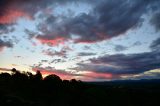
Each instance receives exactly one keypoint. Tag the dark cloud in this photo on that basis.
(155, 21)
(52, 31)
(155, 45)
(49, 53)
(119, 48)
(5, 44)
(86, 54)
(12, 10)
(41, 63)
(28, 6)
(44, 61)
(87, 47)
(31, 34)
(123, 64)
(19, 57)
(61, 53)
(4, 29)
(107, 19)
(137, 43)
(55, 61)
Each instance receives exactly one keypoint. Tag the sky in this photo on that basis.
(89, 40)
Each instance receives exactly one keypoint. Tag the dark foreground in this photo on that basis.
(26, 89)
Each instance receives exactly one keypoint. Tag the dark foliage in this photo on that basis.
(26, 89)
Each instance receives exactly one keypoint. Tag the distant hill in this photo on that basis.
(145, 81)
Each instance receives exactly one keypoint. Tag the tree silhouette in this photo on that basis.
(14, 71)
(18, 76)
(37, 76)
(53, 82)
(27, 89)
(5, 77)
(52, 79)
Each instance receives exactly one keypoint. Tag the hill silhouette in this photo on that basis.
(27, 89)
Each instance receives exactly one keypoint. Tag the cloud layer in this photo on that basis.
(106, 20)
(122, 64)
(5, 44)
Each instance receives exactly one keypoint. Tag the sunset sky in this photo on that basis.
(90, 40)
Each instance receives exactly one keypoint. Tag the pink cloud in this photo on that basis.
(98, 75)
(52, 42)
(12, 15)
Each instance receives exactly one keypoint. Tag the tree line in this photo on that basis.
(27, 89)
